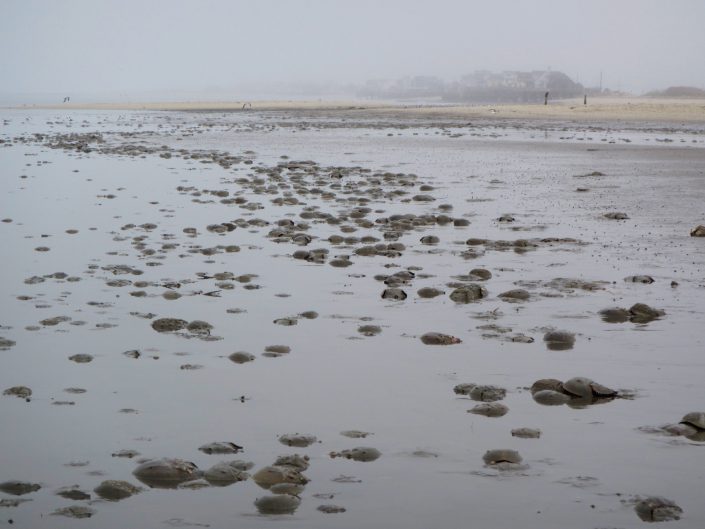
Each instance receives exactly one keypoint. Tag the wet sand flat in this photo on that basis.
(222, 286)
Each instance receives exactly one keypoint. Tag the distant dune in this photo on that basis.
(690, 92)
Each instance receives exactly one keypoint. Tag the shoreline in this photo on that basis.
(597, 109)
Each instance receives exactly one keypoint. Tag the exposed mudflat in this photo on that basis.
(283, 318)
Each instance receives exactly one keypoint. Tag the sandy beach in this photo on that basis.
(316, 317)
(598, 109)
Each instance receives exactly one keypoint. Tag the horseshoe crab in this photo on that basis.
(22, 392)
(490, 409)
(480, 274)
(468, 293)
(226, 473)
(587, 389)
(81, 358)
(657, 509)
(552, 384)
(73, 493)
(19, 488)
(166, 473)
(199, 327)
(75, 511)
(220, 447)
(692, 426)
(297, 439)
(293, 489)
(295, 461)
(615, 315)
(116, 490)
(642, 313)
(278, 504)
(396, 294)
(616, 215)
(331, 509)
(559, 340)
(169, 324)
(274, 351)
(361, 453)
(518, 294)
(369, 330)
(437, 338)
(271, 475)
(429, 292)
(526, 433)
(696, 419)
(463, 389)
(503, 459)
(549, 397)
(698, 231)
(646, 280)
(355, 434)
(487, 393)
(241, 357)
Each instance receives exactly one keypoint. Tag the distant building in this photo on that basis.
(481, 86)
(512, 87)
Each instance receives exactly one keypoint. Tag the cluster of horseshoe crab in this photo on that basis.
(284, 480)
(577, 392)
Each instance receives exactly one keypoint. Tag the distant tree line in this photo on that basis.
(479, 87)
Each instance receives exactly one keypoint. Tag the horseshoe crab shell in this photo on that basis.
(552, 384)
(225, 473)
(293, 489)
(437, 338)
(361, 453)
(116, 490)
(464, 389)
(559, 340)
(501, 455)
(18, 488)
(487, 393)
(615, 315)
(396, 294)
(696, 419)
(657, 509)
(468, 293)
(490, 409)
(165, 472)
(279, 504)
(298, 440)
(586, 388)
(271, 475)
(548, 397)
(642, 313)
(698, 231)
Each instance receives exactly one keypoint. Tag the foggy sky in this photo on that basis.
(133, 46)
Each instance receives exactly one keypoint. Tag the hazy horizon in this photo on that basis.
(124, 49)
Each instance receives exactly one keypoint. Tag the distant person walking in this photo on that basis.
(545, 98)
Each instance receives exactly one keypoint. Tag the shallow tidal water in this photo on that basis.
(130, 206)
